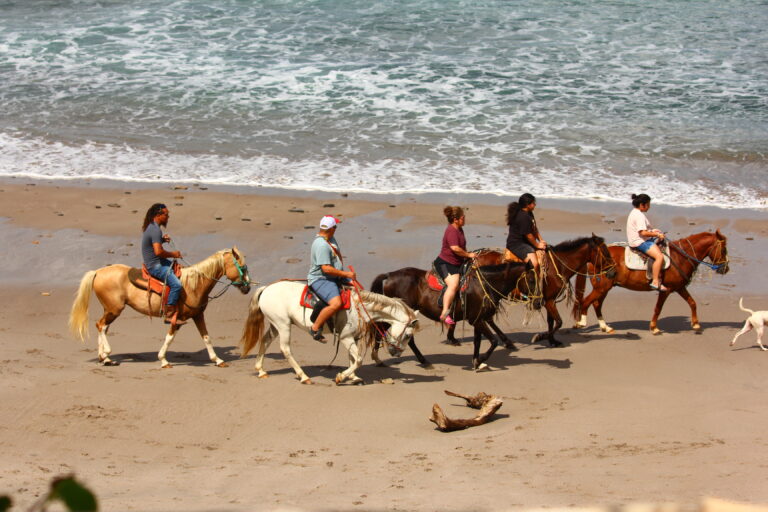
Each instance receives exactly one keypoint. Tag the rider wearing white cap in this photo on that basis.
(326, 273)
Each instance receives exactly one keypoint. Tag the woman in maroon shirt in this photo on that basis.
(452, 255)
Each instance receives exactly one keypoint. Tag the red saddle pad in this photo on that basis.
(434, 284)
(307, 295)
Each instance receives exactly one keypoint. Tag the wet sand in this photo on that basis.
(609, 419)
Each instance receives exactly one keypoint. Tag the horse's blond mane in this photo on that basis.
(210, 268)
(377, 301)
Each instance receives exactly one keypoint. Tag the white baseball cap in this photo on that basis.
(328, 222)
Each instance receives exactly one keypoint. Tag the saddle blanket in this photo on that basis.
(635, 260)
(433, 281)
(309, 299)
(142, 280)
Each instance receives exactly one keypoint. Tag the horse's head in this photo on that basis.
(601, 257)
(718, 253)
(401, 331)
(236, 270)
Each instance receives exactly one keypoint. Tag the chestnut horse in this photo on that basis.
(685, 256)
(477, 305)
(562, 262)
(114, 290)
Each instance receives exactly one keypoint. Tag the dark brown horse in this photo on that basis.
(685, 256)
(562, 262)
(487, 286)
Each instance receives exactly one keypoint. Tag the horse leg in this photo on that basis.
(202, 329)
(486, 331)
(502, 337)
(102, 326)
(422, 360)
(553, 324)
(375, 353)
(167, 343)
(264, 343)
(355, 361)
(285, 345)
(683, 292)
(451, 337)
(657, 311)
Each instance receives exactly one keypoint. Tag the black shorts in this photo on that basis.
(521, 249)
(445, 269)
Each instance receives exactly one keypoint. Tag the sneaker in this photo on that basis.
(317, 335)
(448, 320)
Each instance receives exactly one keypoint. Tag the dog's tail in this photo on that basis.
(741, 307)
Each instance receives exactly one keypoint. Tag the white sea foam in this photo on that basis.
(39, 159)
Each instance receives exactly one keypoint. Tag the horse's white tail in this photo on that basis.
(254, 324)
(741, 307)
(78, 318)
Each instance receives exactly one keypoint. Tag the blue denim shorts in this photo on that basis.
(643, 247)
(326, 289)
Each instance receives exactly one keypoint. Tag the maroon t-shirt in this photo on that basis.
(455, 237)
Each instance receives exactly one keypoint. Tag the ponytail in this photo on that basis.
(153, 211)
(639, 199)
(514, 208)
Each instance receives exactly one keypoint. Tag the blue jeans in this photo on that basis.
(163, 272)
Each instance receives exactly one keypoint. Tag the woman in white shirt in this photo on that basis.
(643, 237)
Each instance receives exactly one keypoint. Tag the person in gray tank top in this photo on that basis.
(156, 257)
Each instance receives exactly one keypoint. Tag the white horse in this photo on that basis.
(278, 304)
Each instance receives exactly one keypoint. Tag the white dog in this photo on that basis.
(756, 320)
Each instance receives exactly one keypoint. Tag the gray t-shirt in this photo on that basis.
(322, 254)
(152, 235)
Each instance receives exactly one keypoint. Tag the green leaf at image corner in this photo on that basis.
(76, 497)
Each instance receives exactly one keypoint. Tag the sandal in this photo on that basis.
(317, 335)
(447, 320)
(660, 288)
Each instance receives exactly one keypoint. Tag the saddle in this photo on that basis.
(310, 300)
(141, 279)
(637, 260)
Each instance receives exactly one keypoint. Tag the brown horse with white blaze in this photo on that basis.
(685, 256)
(114, 290)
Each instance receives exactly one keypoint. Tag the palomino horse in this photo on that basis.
(685, 256)
(487, 286)
(275, 307)
(562, 262)
(114, 290)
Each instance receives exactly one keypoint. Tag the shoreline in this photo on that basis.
(583, 204)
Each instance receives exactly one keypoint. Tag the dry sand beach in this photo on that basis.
(609, 419)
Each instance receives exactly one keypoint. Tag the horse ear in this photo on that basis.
(235, 253)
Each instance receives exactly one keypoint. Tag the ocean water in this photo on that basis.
(571, 99)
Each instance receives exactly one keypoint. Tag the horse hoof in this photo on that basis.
(428, 366)
(511, 347)
(655, 331)
(357, 381)
(308, 382)
(608, 330)
(111, 363)
(696, 327)
(264, 375)
(167, 365)
(222, 364)
(483, 368)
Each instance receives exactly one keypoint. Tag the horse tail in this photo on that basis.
(254, 324)
(377, 286)
(78, 317)
(578, 295)
(741, 307)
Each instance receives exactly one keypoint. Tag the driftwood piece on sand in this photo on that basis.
(488, 405)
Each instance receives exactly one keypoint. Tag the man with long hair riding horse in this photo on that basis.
(326, 273)
(155, 256)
